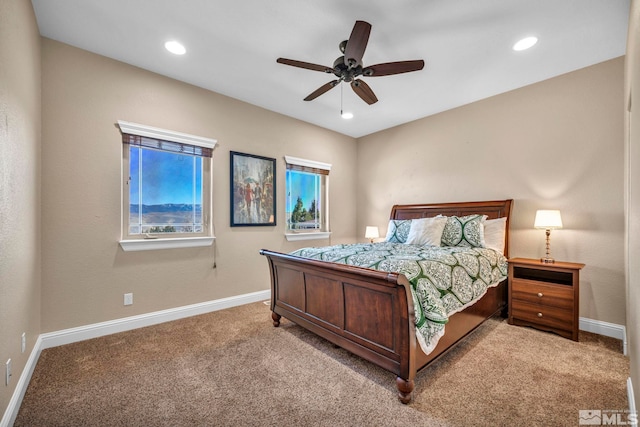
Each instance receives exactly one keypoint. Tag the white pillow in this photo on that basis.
(494, 232)
(426, 231)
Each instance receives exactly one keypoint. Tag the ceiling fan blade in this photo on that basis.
(356, 44)
(322, 89)
(305, 65)
(364, 91)
(390, 68)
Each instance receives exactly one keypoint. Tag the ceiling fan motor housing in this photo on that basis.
(344, 72)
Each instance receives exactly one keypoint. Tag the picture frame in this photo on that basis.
(253, 190)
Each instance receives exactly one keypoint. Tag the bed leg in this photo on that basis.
(405, 388)
(505, 312)
(276, 318)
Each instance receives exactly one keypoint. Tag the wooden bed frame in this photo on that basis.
(370, 313)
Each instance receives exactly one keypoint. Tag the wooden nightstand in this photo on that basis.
(545, 296)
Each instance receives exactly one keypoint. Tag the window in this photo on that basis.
(166, 188)
(307, 204)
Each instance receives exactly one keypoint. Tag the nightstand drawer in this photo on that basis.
(543, 315)
(560, 296)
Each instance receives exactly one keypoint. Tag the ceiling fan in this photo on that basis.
(348, 67)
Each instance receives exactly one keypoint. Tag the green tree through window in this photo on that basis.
(307, 197)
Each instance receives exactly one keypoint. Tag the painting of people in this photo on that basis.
(253, 190)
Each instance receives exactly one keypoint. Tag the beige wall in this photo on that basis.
(632, 187)
(85, 272)
(557, 144)
(19, 187)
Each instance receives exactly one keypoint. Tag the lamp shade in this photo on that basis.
(548, 219)
(371, 232)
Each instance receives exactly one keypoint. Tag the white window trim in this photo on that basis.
(308, 163)
(155, 244)
(310, 235)
(167, 135)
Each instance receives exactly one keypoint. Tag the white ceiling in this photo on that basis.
(232, 47)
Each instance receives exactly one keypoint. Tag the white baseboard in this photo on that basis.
(11, 412)
(631, 399)
(67, 336)
(81, 333)
(605, 328)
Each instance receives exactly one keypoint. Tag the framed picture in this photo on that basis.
(253, 190)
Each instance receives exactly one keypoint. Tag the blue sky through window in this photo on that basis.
(303, 185)
(166, 178)
(165, 192)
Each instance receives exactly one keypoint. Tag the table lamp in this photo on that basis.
(371, 232)
(548, 220)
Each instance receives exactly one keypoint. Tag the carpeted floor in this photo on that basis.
(232, 367)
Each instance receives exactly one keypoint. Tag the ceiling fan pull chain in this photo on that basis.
(340, 98)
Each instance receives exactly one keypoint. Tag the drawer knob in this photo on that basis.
(540, 294)
(539, 314)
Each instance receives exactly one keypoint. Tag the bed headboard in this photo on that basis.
(493, 209)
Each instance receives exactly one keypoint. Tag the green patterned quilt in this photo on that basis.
(444, 280)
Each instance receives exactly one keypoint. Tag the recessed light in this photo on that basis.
(175, 47)
(525, 43)
(347, 115)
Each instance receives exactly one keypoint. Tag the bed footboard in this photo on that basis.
(366, 312)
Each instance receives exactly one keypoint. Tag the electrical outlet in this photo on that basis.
(23, 345)
(8, 372)
(128, 299)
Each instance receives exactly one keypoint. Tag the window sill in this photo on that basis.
(294, 237)
(155, 244)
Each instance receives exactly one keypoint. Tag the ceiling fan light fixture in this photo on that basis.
(346, 115)
(175, 47)
(525, 43)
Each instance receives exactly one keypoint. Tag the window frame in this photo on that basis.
(178, 240)
(310, 166)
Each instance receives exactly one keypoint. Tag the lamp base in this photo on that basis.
(547, 260)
